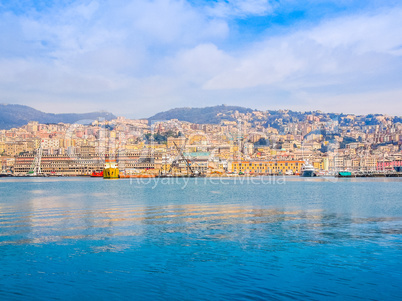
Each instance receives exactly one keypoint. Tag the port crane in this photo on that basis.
(35, 168)
(192, 172)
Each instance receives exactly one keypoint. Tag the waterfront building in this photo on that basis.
(389, 164)
(266, 167)
(59, 165)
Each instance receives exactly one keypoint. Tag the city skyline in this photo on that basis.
(243, 143)
(138, 58)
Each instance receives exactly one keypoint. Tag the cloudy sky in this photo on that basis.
(136, 58)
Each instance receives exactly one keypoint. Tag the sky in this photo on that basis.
(137, 58)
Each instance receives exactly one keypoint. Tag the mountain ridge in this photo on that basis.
(15, 115)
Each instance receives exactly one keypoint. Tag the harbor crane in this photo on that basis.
(193, 173)
(35, 169)
(183, 158)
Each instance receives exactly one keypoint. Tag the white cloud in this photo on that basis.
(199, 63)
(144, 56)
(364, 33)
(336, 51)
(101, 43)
(240, 8)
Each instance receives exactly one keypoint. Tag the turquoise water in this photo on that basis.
(193, 239)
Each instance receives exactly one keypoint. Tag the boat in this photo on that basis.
(308, 170)
(35, 174)
(111, 169)
(344, 174)
(97, 174)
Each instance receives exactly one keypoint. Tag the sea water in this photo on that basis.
(200, 239)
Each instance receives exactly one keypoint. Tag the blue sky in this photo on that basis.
(136, 58)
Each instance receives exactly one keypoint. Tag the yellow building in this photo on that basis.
(180, 142)
(320, 165)
(16, 147)
(198, 139)
(2, 147)
(267, 167)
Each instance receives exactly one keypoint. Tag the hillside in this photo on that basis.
(18, 115)
(216, 114)
(271, 118)
(212, 115)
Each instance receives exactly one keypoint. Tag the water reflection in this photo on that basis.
(50, 219)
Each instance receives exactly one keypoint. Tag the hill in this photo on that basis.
(18, 115)
(211, 115)
(278, 119)
(216, 114)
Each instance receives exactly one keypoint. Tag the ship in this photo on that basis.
(97, 174)
(308, 170)
(344, 174)
(111, 169)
